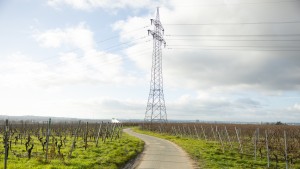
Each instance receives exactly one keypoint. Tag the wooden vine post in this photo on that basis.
(285, 151)
(74, 139)
(113, 131)
(86, 135)
(47, 139)
(6, 144)
(255, 143)
(203, 131)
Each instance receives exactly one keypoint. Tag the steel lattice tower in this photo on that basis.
(156, 109)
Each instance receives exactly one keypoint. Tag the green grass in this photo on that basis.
(110, 155)
(209, 154)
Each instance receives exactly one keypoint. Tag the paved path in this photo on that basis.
(161, 154)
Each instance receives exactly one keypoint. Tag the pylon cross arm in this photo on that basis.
(158, 24)
(157, 36)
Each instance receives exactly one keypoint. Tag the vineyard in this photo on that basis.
(66, 145)
(271, 146)
(104, 145)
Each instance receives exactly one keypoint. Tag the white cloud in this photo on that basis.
(91, 65)
(108, 4)
(83, 65)
(79, 36)
(200, 83)
(107, 107)
(207, 64)
(18, 70)
(207, 67)
(295, 107)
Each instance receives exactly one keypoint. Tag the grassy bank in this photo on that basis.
(209, 154)
(110, 155)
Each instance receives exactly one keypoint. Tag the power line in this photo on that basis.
(114, 37)
(241, 23)
(141, 43)
(264, 40)
(117, 60)
(86, 66)
(117, 36)
(109, 38)
(239, 46)
(109, 49)
(227, 4)
(277, 50)
(268, 35)
(102, 41)
(129, 42)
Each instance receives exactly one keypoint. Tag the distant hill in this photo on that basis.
(69, 119)
(43, 118)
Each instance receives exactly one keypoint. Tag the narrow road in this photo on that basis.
(160, 154)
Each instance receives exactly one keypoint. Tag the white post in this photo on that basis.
(255, 142)
(237, 135)
(267, 146)
(179, 131)
(220, 139)
(74, 139)
(258, 134)
(196, 132)
(98, 134)
(190, 133)
(228, 137)
(213, 133)
(203, 131)
(183, 130)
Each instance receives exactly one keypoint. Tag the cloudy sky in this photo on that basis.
(225, 60)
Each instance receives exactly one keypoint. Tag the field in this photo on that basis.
(234, 145)
(104, 145)
(66, 145)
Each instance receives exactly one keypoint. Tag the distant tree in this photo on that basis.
(279, 123)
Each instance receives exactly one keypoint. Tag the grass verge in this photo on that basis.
(208, 154)
(110, 155)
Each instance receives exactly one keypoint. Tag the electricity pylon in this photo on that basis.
(156, 109)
